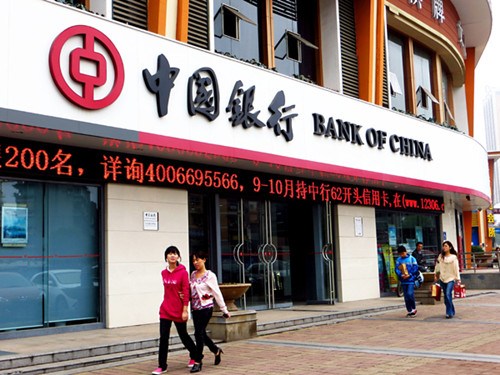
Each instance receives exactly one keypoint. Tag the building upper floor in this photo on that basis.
(412, 56)
(331, 99)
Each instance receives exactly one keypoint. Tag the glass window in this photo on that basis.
(402, 228)
(423, 86)
(295, 37)
(51, 259)
(236, 24)
(448, 115)
(396, 73)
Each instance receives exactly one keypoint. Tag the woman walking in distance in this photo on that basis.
(174, 307)
(447, 272)
(204, 290)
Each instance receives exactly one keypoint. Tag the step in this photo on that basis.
(72, 361)
(297, 323)
(65, 367)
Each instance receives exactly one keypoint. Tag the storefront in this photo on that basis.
(150, 142)
(405, 228)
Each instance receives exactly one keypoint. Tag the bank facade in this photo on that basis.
(298, 142)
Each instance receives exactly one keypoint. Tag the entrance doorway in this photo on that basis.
(255, 248)
(284, 249)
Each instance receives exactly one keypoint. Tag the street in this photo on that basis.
(385, 343)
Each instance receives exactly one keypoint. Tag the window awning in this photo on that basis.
(448, 111)
(301, 39)
(394, 82)
(237, 14)
(429, 95)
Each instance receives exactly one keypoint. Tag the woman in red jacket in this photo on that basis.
(174, 307)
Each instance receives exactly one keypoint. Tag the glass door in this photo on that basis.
(327, 253)
(255, 249)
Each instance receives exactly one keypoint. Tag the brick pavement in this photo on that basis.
(384, 343)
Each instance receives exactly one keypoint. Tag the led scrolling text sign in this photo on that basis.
(67, 163)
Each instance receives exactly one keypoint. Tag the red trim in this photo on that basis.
(262, 157)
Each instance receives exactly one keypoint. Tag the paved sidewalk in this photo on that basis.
(64, 341)
(382, 343)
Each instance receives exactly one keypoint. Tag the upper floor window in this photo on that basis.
(237, 28)
(415, 84)
(227, 22)
(396, 73)
(284, 38)
(294, 37)
(447, 98)
(423, 86)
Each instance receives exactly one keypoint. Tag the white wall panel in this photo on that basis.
(135, 257)
(459, 162)
(357, 262)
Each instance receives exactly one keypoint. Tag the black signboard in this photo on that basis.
(59, 162)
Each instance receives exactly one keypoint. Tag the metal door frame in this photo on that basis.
(327, 252)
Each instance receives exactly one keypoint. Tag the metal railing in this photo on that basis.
(483, 260)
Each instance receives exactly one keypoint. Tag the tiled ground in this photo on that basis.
(386, 343)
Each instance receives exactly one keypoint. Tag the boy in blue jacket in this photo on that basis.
(407, 271)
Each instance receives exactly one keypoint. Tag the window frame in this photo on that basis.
(238, 16)
(431, 96)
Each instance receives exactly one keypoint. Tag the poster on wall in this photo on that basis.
(391, 231)
(14, 226)
(419, 234)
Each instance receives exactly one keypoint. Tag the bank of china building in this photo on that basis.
(297, 142)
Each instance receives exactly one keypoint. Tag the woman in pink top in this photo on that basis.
(204, 290)
(174, 307)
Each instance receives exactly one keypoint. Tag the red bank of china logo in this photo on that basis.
(86, 53)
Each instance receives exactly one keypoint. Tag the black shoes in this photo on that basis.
(217, 356)
(196, 367)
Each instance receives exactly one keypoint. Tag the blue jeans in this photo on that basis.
(447, 290)
(409, 294)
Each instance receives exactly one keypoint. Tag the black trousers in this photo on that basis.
(188, 343)
(200, 320)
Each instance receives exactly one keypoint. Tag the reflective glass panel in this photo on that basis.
(244, 42)
(49, 255)
(396, 75)
(422, 66)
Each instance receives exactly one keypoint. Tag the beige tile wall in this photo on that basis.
(133, 256)
(357, 262)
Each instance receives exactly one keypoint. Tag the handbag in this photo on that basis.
(419, 280)
(436, 291)
(459, 290)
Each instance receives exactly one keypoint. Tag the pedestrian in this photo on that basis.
(419, 256)
(447, 272)
(407, 271)
(174, 307)
(204, 290)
